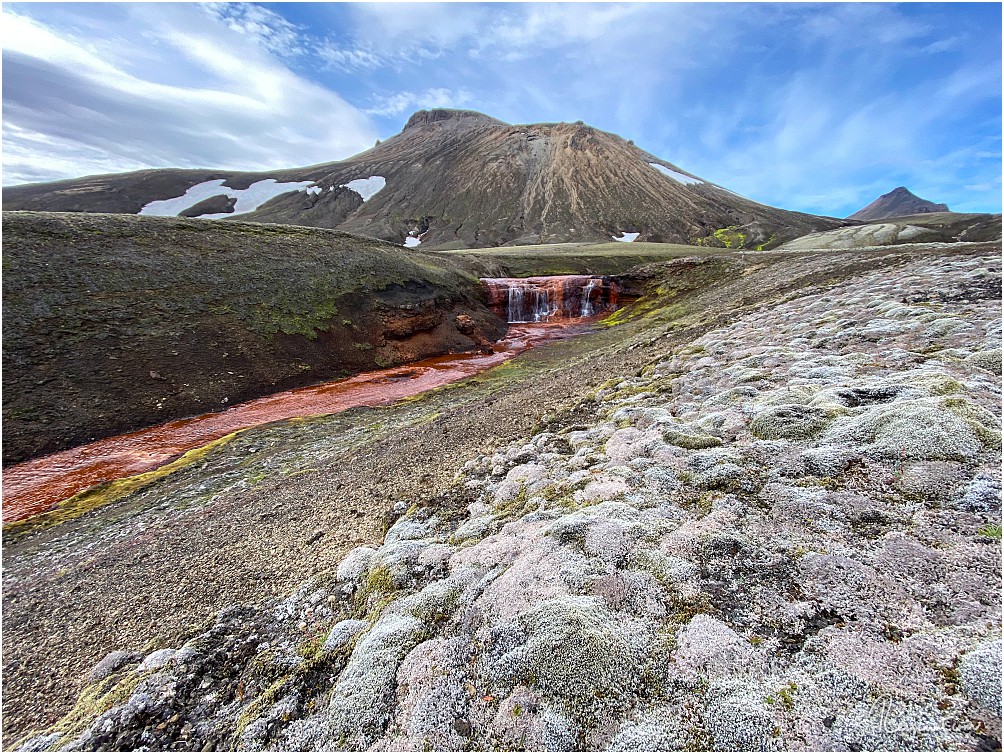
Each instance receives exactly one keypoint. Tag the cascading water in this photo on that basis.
(543, 299)
(587, 306)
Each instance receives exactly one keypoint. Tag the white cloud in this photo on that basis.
(265, 28)
(988, 186)
(946, 44)
(859, 25)
(347, 58)
(402, 102)
(69, 109)
(420, 30)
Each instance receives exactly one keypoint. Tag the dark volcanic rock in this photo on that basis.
(210, 206)
(897, 203)
(325, 210)
(466, 117)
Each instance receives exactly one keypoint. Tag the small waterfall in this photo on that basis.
(557, 297)
(541, 305)
(515, 303)
(587, 307)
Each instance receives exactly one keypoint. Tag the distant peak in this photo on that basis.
(897, 203)
(424, 117)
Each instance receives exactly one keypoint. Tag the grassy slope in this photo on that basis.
(612, 258)
(114, 322)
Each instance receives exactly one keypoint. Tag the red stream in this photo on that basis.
(38, 485)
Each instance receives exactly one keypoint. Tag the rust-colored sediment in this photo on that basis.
(38, 485)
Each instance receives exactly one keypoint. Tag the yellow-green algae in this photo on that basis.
(113, 491)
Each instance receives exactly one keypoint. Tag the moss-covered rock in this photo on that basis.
(789, 422)
(924, 429)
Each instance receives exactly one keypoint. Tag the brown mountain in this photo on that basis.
(897, 203)
(456, 178)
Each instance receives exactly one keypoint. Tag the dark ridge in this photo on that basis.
(424, 117)
(897, 203)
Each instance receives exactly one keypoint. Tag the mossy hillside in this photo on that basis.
(117, 322)
(612, 258)
(273, 278)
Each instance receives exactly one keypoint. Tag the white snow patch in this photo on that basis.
(315, 190)
(626, 237)
(194, 195)
(248, 200)
(366, 187)
(678, 177)
(259, 192)
(412, 241)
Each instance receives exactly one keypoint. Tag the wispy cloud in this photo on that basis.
(263, 27)
(68, 109)
(818, 152)
(402, 102)
(347, 58)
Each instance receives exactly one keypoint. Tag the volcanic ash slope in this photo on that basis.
(457, 179)
(780, 536)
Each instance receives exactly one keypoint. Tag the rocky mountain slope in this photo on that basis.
(781, 531)
(113, 322)
(932, 227)
(457, 179)
(897, 203)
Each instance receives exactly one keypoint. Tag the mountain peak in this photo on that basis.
(438, 115)
(456, 178)
(897, 203)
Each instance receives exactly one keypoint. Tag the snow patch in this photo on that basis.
(315, 190)
(194, 195)
(257, 194)
(412, 240)
(248, 200)
(366, 187)
(678, 177)
(626, 237)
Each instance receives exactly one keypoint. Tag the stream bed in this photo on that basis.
(38, 485)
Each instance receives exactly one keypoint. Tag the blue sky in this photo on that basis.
(813, 107)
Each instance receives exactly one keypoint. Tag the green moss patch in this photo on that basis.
(110, 492)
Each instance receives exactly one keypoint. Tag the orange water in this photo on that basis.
(36, 486)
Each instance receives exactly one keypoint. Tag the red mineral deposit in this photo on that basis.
(36, 486)
(546, 299)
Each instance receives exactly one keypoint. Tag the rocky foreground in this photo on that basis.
(782, 533)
